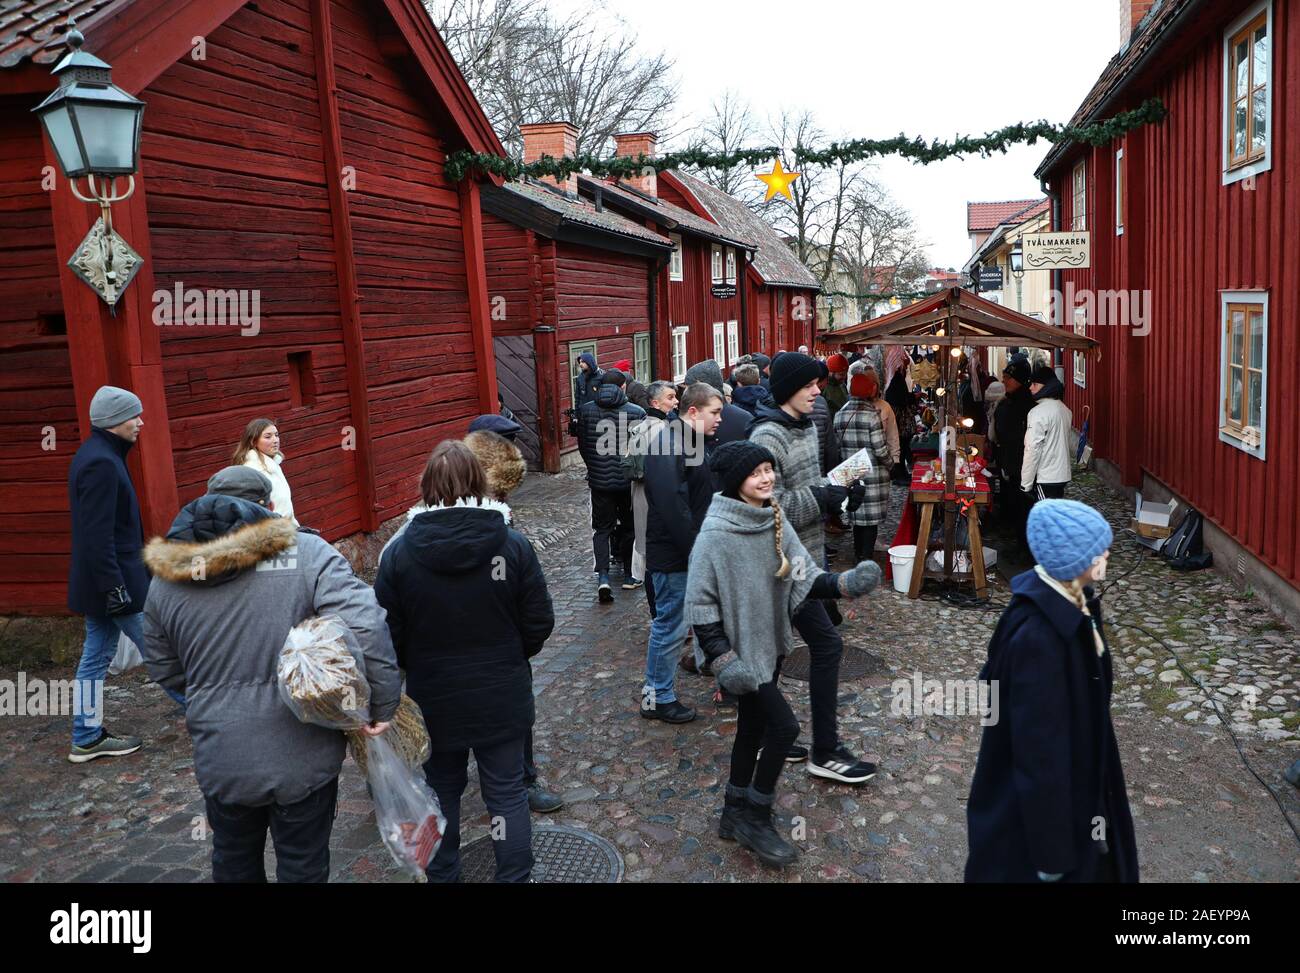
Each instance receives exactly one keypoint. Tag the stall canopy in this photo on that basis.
(959, 317)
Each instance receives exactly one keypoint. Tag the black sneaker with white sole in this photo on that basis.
(839, 764)
(605, 593)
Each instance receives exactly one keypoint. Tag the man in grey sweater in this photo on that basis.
(788, 433)
(230, 579)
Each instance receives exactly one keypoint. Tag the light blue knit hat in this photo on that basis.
(1066, 536)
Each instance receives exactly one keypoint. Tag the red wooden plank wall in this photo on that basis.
(35, 381)
(1202, 237)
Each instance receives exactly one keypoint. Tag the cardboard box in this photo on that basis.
(1151, 521)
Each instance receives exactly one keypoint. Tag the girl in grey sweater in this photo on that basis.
(748, 575)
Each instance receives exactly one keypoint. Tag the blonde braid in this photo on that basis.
(784, 569)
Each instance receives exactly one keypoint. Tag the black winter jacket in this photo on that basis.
(1048, 779)
(1010, 420)
(467, 607)
(603, 426)
(107, 536)
(750, 397)
(679, 489)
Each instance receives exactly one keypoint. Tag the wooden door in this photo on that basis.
(517, 383)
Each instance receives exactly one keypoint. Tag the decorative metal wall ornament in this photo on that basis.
(105, 262)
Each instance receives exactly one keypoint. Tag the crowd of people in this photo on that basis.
(711, 496)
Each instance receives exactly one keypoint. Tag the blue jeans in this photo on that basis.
(96, 656)
(667, 633)
(501, 779)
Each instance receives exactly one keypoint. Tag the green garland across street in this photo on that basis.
(461, 163)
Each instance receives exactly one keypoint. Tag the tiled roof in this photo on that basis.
(987, 216)
(774, 261)
(683, 218)
(582, 211)
(34, 28)
(1151, 34)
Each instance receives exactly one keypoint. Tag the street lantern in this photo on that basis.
(94, 129)
(1017, 261)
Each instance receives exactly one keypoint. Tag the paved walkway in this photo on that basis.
(655, 790)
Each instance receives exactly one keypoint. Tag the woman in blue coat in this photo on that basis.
(1048, 801)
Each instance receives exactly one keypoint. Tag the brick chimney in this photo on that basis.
(1131, 13)
(556, 139)
(632, 145)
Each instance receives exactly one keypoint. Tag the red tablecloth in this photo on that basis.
(981, 481)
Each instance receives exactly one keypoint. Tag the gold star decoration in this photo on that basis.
(778, 181)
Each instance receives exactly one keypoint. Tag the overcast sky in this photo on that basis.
(873, 68)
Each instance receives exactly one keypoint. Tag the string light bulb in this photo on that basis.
(956, 353)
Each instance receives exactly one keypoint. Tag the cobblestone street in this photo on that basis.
(655, 790)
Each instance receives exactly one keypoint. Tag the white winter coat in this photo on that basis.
(1047, 444)
(280, 495)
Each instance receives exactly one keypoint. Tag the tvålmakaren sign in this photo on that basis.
(1057, 251)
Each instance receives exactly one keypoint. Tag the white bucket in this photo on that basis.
(901, 559)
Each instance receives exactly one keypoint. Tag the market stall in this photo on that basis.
(952, 482)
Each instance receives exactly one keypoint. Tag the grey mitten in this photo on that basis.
(856, 582)
(735, 675)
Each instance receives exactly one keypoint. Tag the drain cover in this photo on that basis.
(560, 855)
(854, 664)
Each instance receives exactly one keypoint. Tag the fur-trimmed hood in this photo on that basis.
(501, 461)
(221, 558)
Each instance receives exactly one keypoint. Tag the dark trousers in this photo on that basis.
(650, 592)
(300, 834)
(501, 780)
(825, 648)
(530, 766)
(764, 721)
(864, 542)
(611, 525)
(1051, 491)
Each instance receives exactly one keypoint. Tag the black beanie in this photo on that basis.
(732, 463)
(1044, 374)
(791, 372)
(1018, 369)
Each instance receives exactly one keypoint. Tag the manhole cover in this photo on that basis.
(854, 664)
(560, 855)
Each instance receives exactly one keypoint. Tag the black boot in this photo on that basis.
(733, 807)
(755, 831)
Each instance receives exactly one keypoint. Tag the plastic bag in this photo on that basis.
(127, 657)
(408, 736)
(322, 674)
(407, 812)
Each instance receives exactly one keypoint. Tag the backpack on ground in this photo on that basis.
(1185, 549)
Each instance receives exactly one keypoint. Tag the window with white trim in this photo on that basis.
(1079, 197)
(1080, 359)
(719, 342)
(1243, 381)
(717, 264)
(641, 357)
(679, 352)
(1119, 193)
(675, 261)
(733, 342)
(576, 350)
(731, 265)
(1248, 94)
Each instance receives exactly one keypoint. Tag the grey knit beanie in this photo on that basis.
(243, 482)
(112, 406)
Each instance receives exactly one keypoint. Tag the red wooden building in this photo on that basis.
(565, 275)
(292, 151)
(1192, 290)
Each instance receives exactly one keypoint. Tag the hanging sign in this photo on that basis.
(1057, 251)
(723, 291)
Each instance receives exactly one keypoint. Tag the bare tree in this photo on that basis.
(880, 247)
(728, 127)
(526, 65)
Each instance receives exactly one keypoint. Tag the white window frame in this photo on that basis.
(1264, 164)
(642, 364)
(730, 266)
(717, 264)
(720, 342)
(679, 351)
(733, 342)
(1080, 359)
(1078, 209)
(1119, 193)
(1257, 450)
(675, 261)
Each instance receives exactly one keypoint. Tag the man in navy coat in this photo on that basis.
(107, 581)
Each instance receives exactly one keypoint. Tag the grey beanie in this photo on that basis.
(243, 482)
(708, 372)
(112, 406)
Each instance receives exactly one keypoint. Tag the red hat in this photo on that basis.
(864, 386)
(837, 363)
(624, 365)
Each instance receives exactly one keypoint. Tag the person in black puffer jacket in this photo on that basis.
(467, 608)
(603, 428)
